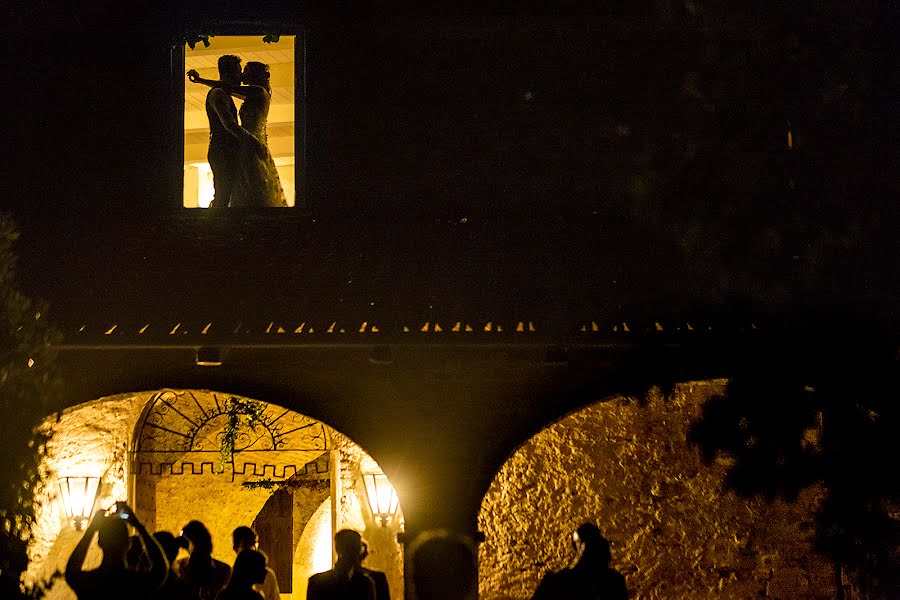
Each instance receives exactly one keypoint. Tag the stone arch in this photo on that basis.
(675, 532)
(187, 424)
(161, 450)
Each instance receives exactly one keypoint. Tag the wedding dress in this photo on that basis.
(259, 184)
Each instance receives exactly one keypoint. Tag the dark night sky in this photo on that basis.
(627, 163)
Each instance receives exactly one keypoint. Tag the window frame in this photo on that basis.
(177, 58)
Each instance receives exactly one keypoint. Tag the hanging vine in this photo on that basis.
(315, 485)
(192, 39)
(240, 413)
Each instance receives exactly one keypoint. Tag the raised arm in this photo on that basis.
(194, 76)
(238, 91)
(159, 566)
(74, 568)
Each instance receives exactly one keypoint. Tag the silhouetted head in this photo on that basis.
(170, 544)
(443, 567)
(590, 544)
(230, 68)
(244, 538)
(112, 537)
(249, 569)
(348, 544)
(256, 73)
(198, 536)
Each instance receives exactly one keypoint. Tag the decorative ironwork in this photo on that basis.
(182, 431)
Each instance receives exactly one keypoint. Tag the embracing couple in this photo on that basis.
(243, 171)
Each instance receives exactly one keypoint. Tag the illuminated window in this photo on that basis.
(253, 183)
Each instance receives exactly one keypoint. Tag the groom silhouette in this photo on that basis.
(223, 143)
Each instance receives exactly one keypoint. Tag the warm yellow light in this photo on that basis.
(78, 495)
(280, 121)
(321, 555)
(382, 497)
(202, 176)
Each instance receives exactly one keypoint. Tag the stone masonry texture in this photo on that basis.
(675, 532)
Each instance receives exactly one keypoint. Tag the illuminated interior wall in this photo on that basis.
(222, 505)
(674, 532)
(313, 551)
(280, 57)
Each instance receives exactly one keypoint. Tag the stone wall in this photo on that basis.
(91, 440)
(675, 532)
(217, 501)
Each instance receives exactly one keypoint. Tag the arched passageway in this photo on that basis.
(177, 455)
(675, 532)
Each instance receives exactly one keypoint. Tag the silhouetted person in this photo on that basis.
(590, 577)
(244, 538)
(226, 138)
(261, 183)
(113, 579)
(444, 567)
(382, 591)
(249, 570)
(346, 581)
(173, 588)
(203, 575)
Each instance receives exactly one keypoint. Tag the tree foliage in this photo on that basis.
(26, 389)
(817, 404)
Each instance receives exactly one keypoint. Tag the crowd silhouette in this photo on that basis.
(443, 567)
(243, 538)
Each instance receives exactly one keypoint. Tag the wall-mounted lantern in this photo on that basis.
(78, 495)
(382, 497)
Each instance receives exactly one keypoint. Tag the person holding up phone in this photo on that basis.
(113, 579)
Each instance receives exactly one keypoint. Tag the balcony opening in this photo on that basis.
(248, 174)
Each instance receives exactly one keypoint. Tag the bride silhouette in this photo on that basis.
(257, 180)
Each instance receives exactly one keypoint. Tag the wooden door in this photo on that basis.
(275, 525)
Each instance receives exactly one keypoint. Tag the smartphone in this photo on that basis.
(120, 510)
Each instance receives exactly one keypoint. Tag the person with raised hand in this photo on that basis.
(113, 579)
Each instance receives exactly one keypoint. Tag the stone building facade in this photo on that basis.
(507, 226)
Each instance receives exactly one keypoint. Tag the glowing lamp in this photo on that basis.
(78, 495)
(382, 497)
